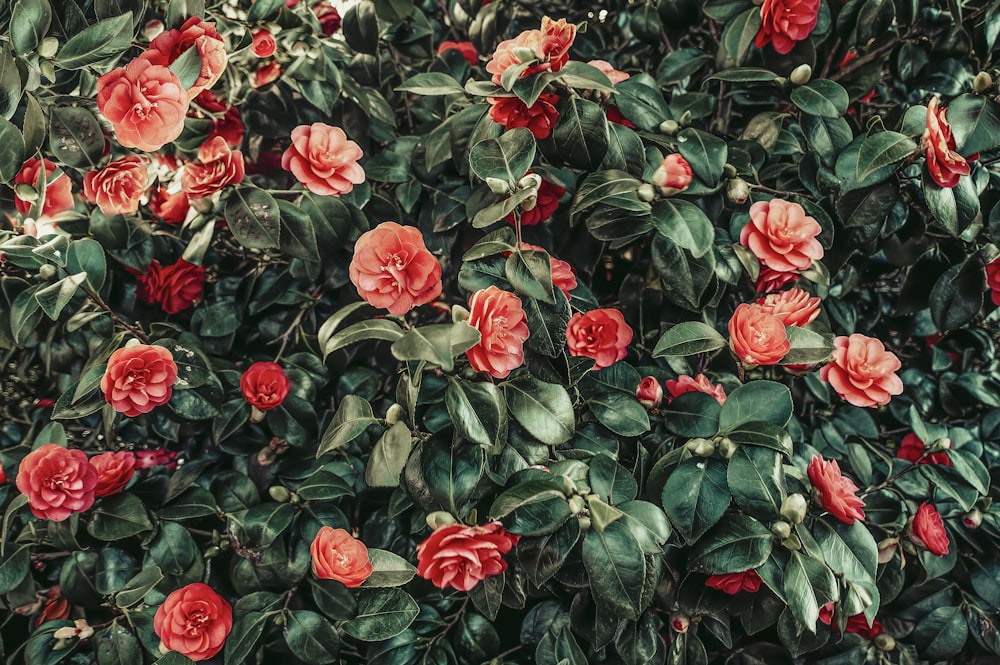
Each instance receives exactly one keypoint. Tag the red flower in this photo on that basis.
(216, 167)
(263, 44)
(649, 392)
(117, 188)
(615, 115)
(55, 607)
(549, 47)
(862, 371)
(857, 624)
(733, 583)
(174, 287)
(114, 470)
(194, 621)
(756, 337)
(196, 33)
(169, 208)
(993, 280)
(511, 112)
(147, 459)
(265, 385)
(944, 164)
(784, 22)
(467, 49)
(547, 203)
(911, 449)
(58, 191)
(393, 269)
(774, 280)
(499, 318)
(601, 334)
(323, 159)
(685, 384)
(927, 530)
(673, 175)
(268, 73)
(139, 378)
(57, 482)
(836, 493)
(226, 120)
(329, 17)
(336, 555)
(145, 104)
(459, 556)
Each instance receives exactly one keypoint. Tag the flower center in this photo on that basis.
(197, 621)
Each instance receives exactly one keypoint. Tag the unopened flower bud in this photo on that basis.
(529, 203)
(884, 642)
(645, 192)
(801, 74)
(256, 415)
(47, 271)
(585, 523)
(674, 175)
(763, 128)
(737, 191)
(530, 181)
(794, 508)
(700, 447)
(972, 519)
(279, 493)
(47, 69)
(212, 551)
(440, 518)
(781, 529)
(649, 392)
(25, 192)
(679, 622)
(576, 504)
(669, 127)
(48, 47)
(887, 549)
(266, 456)
(569, 487)
(685, 119)
(944, 443)
(498, 186)
(298, 48)
(982, 83)
(524, 54)
(394, 414)
(792, 543)
(727, 447)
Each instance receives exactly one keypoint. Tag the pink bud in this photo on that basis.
(649, 392)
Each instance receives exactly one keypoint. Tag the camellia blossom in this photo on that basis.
(269, 72)
(54, 606)
(57, 482)
(194, 621)
(993, 280)
(337, 555)
(733, 583)
(794, 307)
(196, 33)
(785, 22)
(835, 492)
(265, 385)
(944, 165)
(770, 280)
(114, 471)
(862, 371)
(263, 44)
(467, 49)
(601, 334)
(927, 530)
(58, 190)
(323, 159)
(649, 392)
(393, 269)
(857, 624)
(118, 187)
(145, 103)
(911, 449)
(673, 175)
(169, 208)
(700, 383)
(216, 167)
(226, 121)
(547, 202)
(459, 556)
(548, 47)
(500, 320)
(782, 236)
(757, 337)
(174, 287)
(539, 118)
(139, 378)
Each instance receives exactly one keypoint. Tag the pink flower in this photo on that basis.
(774, 280)
(263, 44)
(145, 104)
(114, 471)
(323, 159)
(782, 236)
(794, 307)
(117, 188)
(393, 269)
(548, 46)
(499, 318)
(784, 22)
(601, 334)
(58, 192)
(673, 175)
(911, 449)
(756, 337)
(685, 384)
(459, 556)
(194, 621)
(733, 583)
(836, 493)
(337, 555)
(606, 68)
(927, 530)
(944, 164)
(216, 167)
(195, 33)
(862, 371)
(57, 482)
(139, 378)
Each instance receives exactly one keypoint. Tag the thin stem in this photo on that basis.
(869, 57)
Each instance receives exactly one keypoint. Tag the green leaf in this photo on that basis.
(334, 599)
(757, 481)
(685, 224)
(807, 347)
(809, 584)
(350, 421)
(266, 521)
(695, 496)
(739, 33)
(738, 544)
(757, 401)
(975, 121)
(616, 566)
(957, 296)
(117, 645)
(246, 631)
(389, 456)
(530, 273)
(382, 329)
(850, 550)
(535, 507)
(580, 138)
(559, 647)
(261, 9)
(941, 634)
(544, 409)
(611, 481)
(432, 83)
(869, 205)
(388, 569)
(618, 411)
(438, 343)
(822, 98)
(118, 517)
(451, 472)
(298, 233)
(101, 41)
(11, 150)
(254, 218)
(505, 158)
(325, 486)
(755, 433)
(478, 411)
(582, 76)
(54, 297)
(14, 567)
(87, 256)
(137, 587)
(75, 136)
(542, 557)
(29, 21)
(705, 153)
(382, 614)
(393, 10)
(311, 638)
(10, 86)
(954, 208)
(687, 339)
(388, 166)
(648, 524)
(882, 149)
